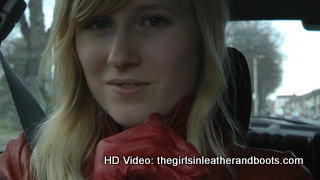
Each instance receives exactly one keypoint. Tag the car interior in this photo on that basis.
(308, 12)
(308, 148)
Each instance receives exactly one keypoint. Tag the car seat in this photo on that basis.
(238, 94)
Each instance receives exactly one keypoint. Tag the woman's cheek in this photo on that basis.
(92, 56)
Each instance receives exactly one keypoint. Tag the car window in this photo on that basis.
(22, 50)
(283, 60)
(10, 126)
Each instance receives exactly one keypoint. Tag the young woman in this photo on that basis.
(138, 79)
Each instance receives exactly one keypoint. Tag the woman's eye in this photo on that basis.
(99, 24)
(154, 21)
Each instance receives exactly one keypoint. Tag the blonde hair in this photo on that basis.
(212, 16)
(72, 125)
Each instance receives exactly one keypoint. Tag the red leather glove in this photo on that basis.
(147, 142)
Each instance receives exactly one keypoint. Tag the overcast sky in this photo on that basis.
(302, 66)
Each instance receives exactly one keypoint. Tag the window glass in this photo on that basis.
(284, 65)
(9, 122)
(22, 50)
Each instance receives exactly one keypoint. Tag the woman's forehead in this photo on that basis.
(86, 8)
(171, 5)
(94, 7)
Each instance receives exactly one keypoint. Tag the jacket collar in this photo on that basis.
(176, 119)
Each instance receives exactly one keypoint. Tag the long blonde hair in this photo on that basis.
(203, 128)
(75, 122)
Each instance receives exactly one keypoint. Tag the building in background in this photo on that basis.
(306, 106)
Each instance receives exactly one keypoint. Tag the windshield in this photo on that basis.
(283, 59)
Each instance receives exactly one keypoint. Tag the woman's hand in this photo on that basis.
(136, 154)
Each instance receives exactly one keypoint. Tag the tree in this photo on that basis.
(35, 37)
(259, 40)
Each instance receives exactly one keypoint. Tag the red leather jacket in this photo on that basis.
(155, 139)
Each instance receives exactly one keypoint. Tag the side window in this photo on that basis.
(22, 50)
(9, 121)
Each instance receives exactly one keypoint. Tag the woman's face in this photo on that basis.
(140, 59)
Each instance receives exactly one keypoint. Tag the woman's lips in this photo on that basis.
(127, 88)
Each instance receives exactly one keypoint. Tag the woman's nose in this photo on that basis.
(122, 51)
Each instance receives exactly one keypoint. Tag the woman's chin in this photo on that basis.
(127, 122)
